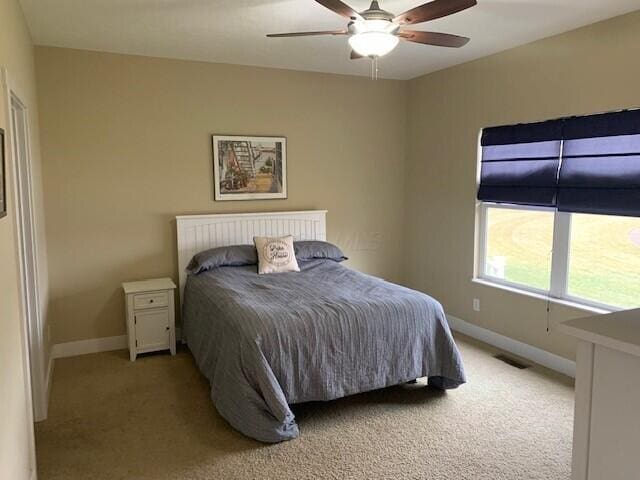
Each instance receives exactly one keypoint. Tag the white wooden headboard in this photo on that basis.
(201, 232)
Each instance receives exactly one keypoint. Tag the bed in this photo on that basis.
(265, 342)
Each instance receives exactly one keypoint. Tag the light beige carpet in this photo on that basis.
(152, 419)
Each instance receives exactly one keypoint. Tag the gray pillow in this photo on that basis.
(232, 256)
(312, 249)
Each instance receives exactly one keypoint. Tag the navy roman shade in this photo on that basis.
(600, 171)
(520, 163)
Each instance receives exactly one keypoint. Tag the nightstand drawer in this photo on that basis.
(150, 300)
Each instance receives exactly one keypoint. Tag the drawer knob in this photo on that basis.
(151, 301)
(167, 328)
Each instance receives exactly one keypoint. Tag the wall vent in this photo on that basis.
(510, 361)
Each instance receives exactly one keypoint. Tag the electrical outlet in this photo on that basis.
(476, 304)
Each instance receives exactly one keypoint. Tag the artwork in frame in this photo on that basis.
(3, 183)
(249, 168)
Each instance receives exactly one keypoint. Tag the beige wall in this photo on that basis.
(16, 55)
(589, 70)
(127, 147)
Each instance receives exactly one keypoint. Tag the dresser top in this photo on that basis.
(150, 285)
(618, 330)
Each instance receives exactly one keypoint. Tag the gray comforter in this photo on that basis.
(268, 341)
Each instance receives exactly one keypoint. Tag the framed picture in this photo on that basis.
(249, 168)
(3, 182)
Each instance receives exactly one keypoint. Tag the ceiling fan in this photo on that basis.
(376, 32)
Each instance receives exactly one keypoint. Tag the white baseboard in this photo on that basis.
(49, 378)
(92, 345)
(524, 350)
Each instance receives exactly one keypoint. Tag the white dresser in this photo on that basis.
(150, 316)
(606, 438)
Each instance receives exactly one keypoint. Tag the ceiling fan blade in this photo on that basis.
(307, 34)
(340, 8)
(355, 55)
(434, 38)
(433, 10)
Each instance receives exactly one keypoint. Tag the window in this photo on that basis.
(589, 259)
(604, 260)
(559, 208)
(519, 243)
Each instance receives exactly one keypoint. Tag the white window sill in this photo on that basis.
(559, 301)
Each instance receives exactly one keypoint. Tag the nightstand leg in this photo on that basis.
(132, 355)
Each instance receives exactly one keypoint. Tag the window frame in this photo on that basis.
(560, 258)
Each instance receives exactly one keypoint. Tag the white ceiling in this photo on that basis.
(233, 31)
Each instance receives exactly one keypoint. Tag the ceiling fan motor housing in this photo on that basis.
(373, 19)
(374, 12)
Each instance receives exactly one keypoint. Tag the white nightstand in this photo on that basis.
(151, 323)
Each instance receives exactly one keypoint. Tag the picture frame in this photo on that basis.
(3, 177)
(249, 167)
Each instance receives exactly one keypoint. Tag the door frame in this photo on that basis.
(32, 341)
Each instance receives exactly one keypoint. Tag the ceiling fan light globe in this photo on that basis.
(373, 44)
(362, 26)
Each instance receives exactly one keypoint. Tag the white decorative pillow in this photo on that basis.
(276, 254)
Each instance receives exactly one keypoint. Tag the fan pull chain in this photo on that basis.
(374, 68)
